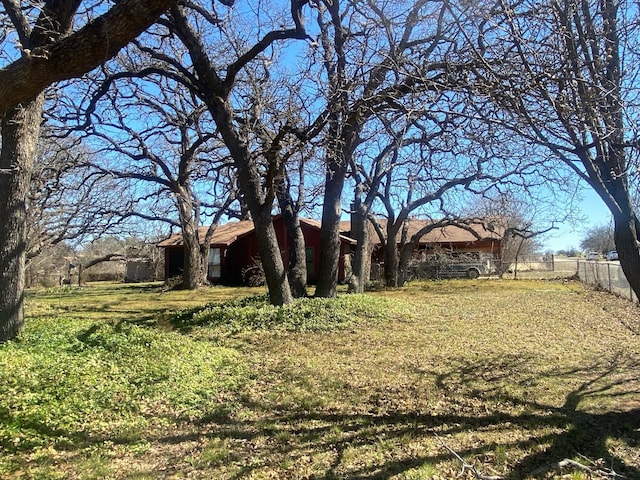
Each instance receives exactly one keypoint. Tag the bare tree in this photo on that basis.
(66, 199)
(48, 52)
(211, 75)
(598, 239)
(438, 159)
(564, 73)
(374, 57)
(519, 219)
(283, 137)
(173, 156)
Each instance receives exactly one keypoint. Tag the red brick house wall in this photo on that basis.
(241, 253)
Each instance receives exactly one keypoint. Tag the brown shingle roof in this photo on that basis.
(317, 225)
(228, 233)
(224, 235)
(446, 234)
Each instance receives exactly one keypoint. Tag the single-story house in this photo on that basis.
(449, 238)
(234, 250)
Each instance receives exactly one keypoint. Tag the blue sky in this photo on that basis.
(569, 235)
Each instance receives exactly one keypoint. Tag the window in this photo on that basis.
(214, 269)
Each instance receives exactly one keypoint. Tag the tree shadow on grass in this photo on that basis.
(543, 433)
(373, 439)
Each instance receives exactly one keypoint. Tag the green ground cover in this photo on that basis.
(130, 382)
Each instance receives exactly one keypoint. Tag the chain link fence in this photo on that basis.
(606, 275)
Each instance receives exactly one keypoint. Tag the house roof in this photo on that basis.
(316, 224)
(224, 234)
(455, 234)
(444, 234)
(228, 233)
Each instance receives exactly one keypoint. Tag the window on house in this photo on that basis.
(214, 270)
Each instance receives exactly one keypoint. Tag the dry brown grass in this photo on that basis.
(511, 375)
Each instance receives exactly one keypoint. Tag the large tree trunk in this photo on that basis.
(20, 133)
(391, 263)
(191, 272)
(297, 272)
(361, 263)
(271, 259)
(406, 252)
(205, 249)
(259, 203)
(391, 255)
(626, 230)
(330, 231)
(192, 263)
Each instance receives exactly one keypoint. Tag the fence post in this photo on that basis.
(578, 267)
(609, 275)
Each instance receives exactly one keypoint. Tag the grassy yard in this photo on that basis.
(511, 377)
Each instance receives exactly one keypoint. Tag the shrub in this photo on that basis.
(68, 383)
(305, 314)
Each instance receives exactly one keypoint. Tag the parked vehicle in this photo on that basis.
(593, 256)
(455, 265)
(612, 255)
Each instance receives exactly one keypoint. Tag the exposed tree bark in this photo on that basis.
(215, 91)
(406, 253)
(110, 257)
(361, 262)
(355, 96)
(391, 253)
(340, 141)
(192, 262)
(173, 151)
(297, 271)
(20, 133)
(566, 91)
(626, 235)
(363, 203)
(49, 55)
(330, 231)
(73, 55)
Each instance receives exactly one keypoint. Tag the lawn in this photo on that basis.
(468, 379)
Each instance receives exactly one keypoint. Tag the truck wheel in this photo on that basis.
(473, 273)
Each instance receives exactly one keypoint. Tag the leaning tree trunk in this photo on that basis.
(626, 230)
(258, 202)
(20, 132)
